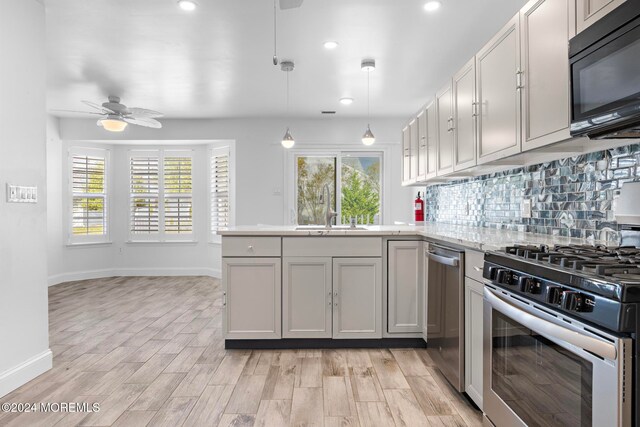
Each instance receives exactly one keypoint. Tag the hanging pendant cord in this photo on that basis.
(368, 101)
(287, 94)
(275, 31)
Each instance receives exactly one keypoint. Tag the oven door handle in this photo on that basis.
(598, 347)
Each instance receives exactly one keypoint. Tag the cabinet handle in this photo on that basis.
(224, 299)
(335, 294)
(250, 248)
(519, 85)
(474, 107)
(476, 268)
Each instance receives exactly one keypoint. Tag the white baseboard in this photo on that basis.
(25, 372)
(132, 272)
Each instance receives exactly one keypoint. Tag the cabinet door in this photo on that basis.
(306, 297)
(253, 288)
(405, 287)
(473, 318)
(414, 147)
(464, 114)
(589, 11)
(425, 291)
(498, 68)
(422, 145)
(406, 154)
(444, 111)
(545, 72)
(432, 140)
(357, 298)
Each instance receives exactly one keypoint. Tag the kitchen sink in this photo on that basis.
(333, 228)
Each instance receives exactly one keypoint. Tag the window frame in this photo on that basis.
(229, 149)
(161, 236)
(87, 239)
(290, 202)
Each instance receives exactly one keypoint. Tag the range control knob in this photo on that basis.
(528, 285)
(572, 301)
(492, 272)
(503, 276)
(553, 294)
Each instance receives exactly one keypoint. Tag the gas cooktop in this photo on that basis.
(597, 283)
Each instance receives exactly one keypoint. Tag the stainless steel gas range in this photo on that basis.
(560, 333)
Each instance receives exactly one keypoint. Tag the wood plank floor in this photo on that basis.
(150, 351)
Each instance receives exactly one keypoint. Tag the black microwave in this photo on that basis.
(605, 76)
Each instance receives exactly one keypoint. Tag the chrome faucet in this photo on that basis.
(329, 214)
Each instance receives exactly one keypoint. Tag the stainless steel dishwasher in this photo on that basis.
(445, 312)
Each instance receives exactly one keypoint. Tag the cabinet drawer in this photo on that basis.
(251, 246)
(473, 263)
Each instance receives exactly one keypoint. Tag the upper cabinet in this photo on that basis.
(432, 140)
(499, 89)
(544, 77)
(464, 114)
(445, 123)
(406, 154)
(422, 145)
(589, 11)
(413, 149)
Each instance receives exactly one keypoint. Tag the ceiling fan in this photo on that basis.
(116, 116)
(284, 5)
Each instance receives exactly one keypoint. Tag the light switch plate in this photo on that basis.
(526, 208)
(21, 194)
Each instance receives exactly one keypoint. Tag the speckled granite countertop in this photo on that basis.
(478, 238)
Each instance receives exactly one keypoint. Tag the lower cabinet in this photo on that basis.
(473, 318)
(307, 297)
(252, 298)
(326, 297)
(357, 298)
(405, 283)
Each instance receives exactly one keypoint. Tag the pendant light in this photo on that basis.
(287, 139)
(368, 65)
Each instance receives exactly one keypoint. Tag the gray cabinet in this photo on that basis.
(444, 113)
(589, 11)
(498, 70)
(406, 154)
(464, 115)
(425, 292)
(473, 318)
(357, 298)
(307, 297)
(545, 72)
(422, 145)
(252, 298)
(413, 149)
(405, 287)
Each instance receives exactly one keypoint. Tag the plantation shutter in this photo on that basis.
(88, 188)
(144, 194)
(220, 190)
(178, 199)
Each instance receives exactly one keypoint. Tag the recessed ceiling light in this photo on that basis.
(330, 45)
(432, 5)
(346, 101)
(187, 5)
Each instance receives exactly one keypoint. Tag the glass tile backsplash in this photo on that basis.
(571, 197)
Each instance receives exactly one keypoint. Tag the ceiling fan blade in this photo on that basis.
(143, 112)
(290, 4)
(98, 107)
(143, 121)
(77, 112)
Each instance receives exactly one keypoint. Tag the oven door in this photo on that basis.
(544, 370)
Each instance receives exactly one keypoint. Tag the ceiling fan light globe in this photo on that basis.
(113, 124)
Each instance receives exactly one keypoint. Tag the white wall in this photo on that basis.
(260, 181)
(24, 342)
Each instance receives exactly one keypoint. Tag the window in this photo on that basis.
(355, 176)
(88, 182)
(161, 199)
(220, 190)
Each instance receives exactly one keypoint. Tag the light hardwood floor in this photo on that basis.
(150, 351)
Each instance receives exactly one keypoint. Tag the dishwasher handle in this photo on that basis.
(451, 262)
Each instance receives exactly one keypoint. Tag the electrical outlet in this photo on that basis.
(526, 208)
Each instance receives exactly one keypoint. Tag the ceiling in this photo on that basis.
(216, 61)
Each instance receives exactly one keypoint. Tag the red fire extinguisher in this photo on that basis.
(419, 209)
